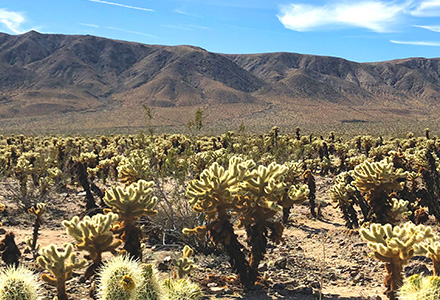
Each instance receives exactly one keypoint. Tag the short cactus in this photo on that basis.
(185, 264)
(181, 289)
(431, 249)
(124, 278)
(93, 235)
(394, 246)
(130, 204)
(19, 284)
(417, 287)
(60, 265)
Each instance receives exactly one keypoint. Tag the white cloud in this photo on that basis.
(416, 43)
(377, 16)
(129, 31)
(12, 20)
(430, 8)
(435, 28)
(122, 5)
(89, 25)
(178, 11)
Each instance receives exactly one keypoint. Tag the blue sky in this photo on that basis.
(356, 30)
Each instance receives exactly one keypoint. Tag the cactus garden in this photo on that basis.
(234, 216)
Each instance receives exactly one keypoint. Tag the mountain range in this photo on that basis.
(66, 80)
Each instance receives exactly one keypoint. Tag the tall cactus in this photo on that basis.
(377, 180)
(255, 196)
(215, 194)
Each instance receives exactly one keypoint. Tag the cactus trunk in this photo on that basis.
(223, 233)
(132, 238)
(61, 289)
(436, 267)
(258, 243)
(393, 280)
(377, 200)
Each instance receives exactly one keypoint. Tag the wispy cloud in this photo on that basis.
(181, 12)
(429, 8)
(89, 25)
(130, 31)
(12, 20)
(378, 16)
(177, 27)
(200, 27)
(416, 43)
(435, 28)
(122, 5)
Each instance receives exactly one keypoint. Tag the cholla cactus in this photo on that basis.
(38, 211)
(255, 195)
(93, 234)
(394, 246)
(431, 249)
(185, 264)
(150, 288)
(342, 192)
(213, 193)
(19, 284)
(60, 265)
(417, 287)
(376, 180)
(399, 210)
(182, 289)
(123, 278)
(130, 204)
(216, 194)
(134, 167)
(262, 192)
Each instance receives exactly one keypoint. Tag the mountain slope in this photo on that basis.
(44, 74)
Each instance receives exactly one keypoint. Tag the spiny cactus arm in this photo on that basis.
(200, 231)
(216, 187)
(93, 234)
(298, 195)
(399, 209)
(370, 175)
(72, 229)
(39, 210)
(135, 201)
(185, 264)
(59, 264)
(431, 249)
(375, 234)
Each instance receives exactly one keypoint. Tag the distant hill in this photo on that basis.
(73, 76)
